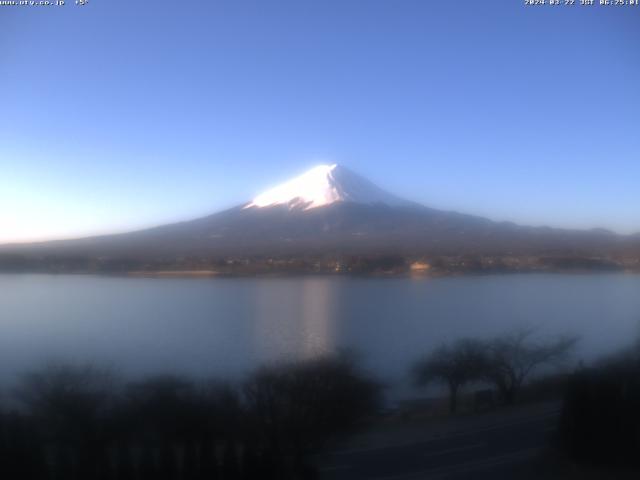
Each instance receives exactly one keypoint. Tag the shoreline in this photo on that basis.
(208, 274)
(174, 274)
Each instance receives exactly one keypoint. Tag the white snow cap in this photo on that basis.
(324, 185)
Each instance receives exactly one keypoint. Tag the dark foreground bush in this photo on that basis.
(79, 423)
(600, 422)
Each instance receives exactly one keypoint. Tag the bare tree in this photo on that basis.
(299, 406)
(512, 357)
(454, 365)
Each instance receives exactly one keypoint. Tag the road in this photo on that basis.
(494, 446)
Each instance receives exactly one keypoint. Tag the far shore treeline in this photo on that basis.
(327, 264)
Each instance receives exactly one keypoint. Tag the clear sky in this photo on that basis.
(124, 114)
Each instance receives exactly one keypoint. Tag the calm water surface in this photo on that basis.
(226, 327)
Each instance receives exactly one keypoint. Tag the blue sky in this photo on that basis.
(122, 114)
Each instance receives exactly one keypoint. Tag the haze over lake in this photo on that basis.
(225, 327)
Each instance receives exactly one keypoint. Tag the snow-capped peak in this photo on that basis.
(324, 185)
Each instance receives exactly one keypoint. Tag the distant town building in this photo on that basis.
(420, 267)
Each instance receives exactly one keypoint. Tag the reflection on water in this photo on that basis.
(226, 327)
(317, 317)
(294, 318)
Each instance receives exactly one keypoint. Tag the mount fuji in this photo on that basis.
(325, 185)
(330, 210)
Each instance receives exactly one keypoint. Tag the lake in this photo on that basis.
(225, 327)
